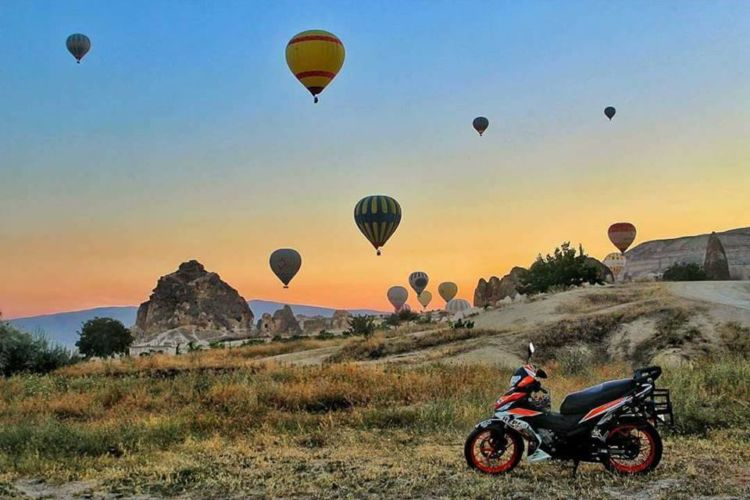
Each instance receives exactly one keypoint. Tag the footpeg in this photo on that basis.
(538, 456)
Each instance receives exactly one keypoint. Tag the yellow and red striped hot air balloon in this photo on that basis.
(315, 57)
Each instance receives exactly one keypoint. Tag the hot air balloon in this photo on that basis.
(447, 290)
(397, 296)
(616, 263)
(315, 58)
(425, 298)
(418, 281)
(78, 45)
(621, 234)
(285, 262)
(609, 112)
(480, 124)
(377, 217)
(457, 305)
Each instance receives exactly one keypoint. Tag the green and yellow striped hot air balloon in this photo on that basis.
(377, 217)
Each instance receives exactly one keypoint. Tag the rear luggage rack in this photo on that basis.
(662, 407)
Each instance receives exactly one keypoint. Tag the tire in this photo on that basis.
(481, 450)
(649, 448)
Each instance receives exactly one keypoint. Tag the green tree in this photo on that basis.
(565, 268)
(103, 337)
(361, 325)
(23, 352)
(684, 272)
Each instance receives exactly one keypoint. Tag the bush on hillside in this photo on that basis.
(103, 337)
(23, 352)
(361, 325)
(563, 269)
(682, 271)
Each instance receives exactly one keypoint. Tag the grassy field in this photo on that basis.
(224, 423)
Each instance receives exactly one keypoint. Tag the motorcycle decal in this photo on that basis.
(504, 400)
(530, 370)
(523, 412)
(526, 381)
(599, 410)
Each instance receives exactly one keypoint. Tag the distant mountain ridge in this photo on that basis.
(63, 327)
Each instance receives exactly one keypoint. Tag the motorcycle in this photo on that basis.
(613, 423)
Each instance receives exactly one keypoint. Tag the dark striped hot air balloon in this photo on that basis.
(377, 217)
(315, 58)
(78, 45)
(285, 262)
(418, 281)
(621, 234)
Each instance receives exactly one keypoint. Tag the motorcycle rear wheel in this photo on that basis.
(493, 451)
(646, 446)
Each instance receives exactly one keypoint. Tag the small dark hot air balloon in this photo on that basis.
(78, 45)
(285, 262)
(480, 124)
(418, 281)
(621, 234)
(609, 112)
(377, 217)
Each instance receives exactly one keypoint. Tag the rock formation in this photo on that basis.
(340, 321)
(283, 323)
(603, 272)
(654, 257)
(493, 291)
(715, 264)
(192, 305)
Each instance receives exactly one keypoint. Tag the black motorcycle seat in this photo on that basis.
(587, 399)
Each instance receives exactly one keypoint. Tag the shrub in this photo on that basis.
(325, 335)
(103, 337)
(361, 325)
(459, 324)
(23, 352)
(564, 269)
(684, 272)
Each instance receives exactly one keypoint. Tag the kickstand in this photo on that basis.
(575, 467)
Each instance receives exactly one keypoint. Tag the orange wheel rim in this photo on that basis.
(492, 455)
(646, 450)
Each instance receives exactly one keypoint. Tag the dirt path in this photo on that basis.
(727, 293)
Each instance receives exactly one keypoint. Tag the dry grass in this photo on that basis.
(379, 346)
(212, 359)
(337, 430)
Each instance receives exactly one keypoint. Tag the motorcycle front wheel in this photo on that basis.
(493, 451)
(639, 449)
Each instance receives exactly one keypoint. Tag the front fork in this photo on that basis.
(535, 452)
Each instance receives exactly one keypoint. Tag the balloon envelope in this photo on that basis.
(285, 262)
(615, 262)
(418, 281)
(377, 217)
(621, 234)
(315, 58)
(447, 290)
(397, 296)
(609, 112)
(457, 306)
(425, 298)
(78, 45)
(480, 124)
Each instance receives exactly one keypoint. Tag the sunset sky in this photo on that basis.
(183, 135)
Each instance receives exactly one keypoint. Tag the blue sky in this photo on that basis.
(184, 115)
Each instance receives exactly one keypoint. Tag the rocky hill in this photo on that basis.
(192, 305)
(654, 257)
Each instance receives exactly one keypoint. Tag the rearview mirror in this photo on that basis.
(531, 350)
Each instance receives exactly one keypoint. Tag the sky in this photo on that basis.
(183, 135)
